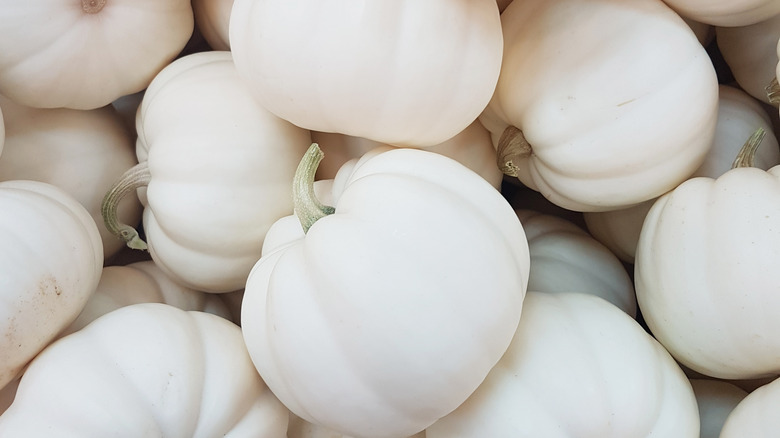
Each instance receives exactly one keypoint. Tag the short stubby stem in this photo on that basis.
(136, 177)
(773, 92)
(305, 204)
(92, 6)
(512, 148)
(747, 154)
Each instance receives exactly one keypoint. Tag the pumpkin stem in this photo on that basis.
(773, 92)
(512, 147)
(92, 6)
(747, 154)
(305, 204)
(134, 178)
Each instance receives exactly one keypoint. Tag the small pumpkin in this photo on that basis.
(755, 416)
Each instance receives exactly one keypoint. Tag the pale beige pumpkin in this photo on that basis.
(756, 415)
(726, 13)
(85, 54)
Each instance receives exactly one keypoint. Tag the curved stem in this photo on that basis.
(747, 154)
(512, 147)
(305, 204)
(135, 177)
(773, 92)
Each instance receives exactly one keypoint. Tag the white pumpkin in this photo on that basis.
(406, 73)
(739, 114)
(146, 370)
(729, 13)
(577, 367)
(51, 263)
(756, 415)
(716, 399)
(399, 302)
(85, 54)
(80, 151)
(215, 169)
(581, 127)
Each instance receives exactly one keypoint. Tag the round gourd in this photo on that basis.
(756, 415)
(215, 169)
(146, 370)
(716, 399)
(85, 54)
(577, 367)
(401, 72)
(585, 85)
(400, 298)
(51, 263)
(80, 151)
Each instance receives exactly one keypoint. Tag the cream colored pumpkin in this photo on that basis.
(471, 147)
(51, 263)
(146, 370)
(751, 54)
(565, 258)
(716, 399)
(584, 87)
(402, 72)
(726, 13)
(756, 415)
(81, 151)
(577, 367)
(216, 170)
(85, 54)
(739, 114)
(706, 273)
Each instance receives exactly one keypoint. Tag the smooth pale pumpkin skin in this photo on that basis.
(49, 267)
(726, 13)
(399, 303)
(402, 72)
(472, 147)
(84, 60)
(588, 83)
(565, 258)
(142, 282)
(739, 114)
(221, 172)
(81, 151)
(750, 52)
(577, 367)
(705, 273)
(756, 414)
(212, 18)
(149, 370)
(716, 399)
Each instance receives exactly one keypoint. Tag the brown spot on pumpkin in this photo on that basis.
(92, 6)
(49, 284)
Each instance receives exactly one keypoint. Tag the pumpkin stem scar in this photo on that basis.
(134, 178)
(305, 204)
(512, 147)
(92, 6)
(773, 92)
(747, 154)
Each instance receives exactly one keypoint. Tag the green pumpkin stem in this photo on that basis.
(512, 147)
(773, 92)
(305, 204)
(747, 154)
(135, 177)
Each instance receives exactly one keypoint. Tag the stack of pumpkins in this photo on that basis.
(386, 218)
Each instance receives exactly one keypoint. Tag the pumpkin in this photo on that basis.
(565, 258)
(85, 54)
(750, 53)
(756, 415)
(577, 367)
(142, 282)
(705, 272)
(212, 18)
(215, 171)
(52, 259)
(730, 13)
(739, 114)
(404, 73)
(81, 151)
(583, 129)
(471, 147)
(399, 298)
(716, 399)
(146, 370)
